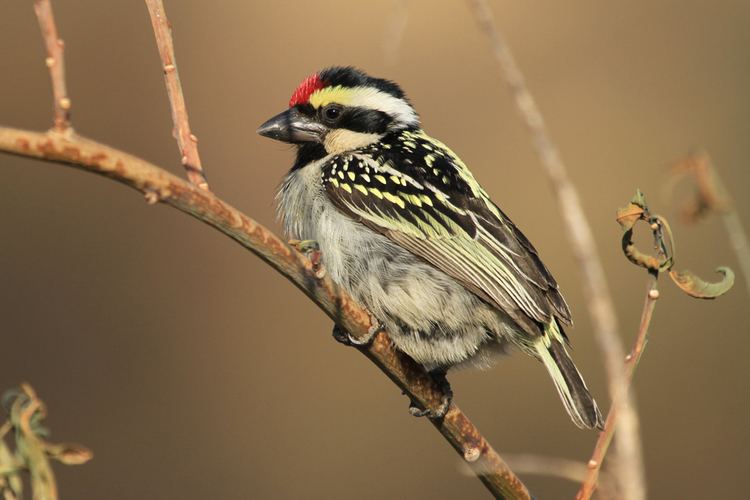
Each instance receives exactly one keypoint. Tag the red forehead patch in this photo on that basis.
(305, 90)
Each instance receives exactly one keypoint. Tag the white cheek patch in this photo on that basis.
(341, 140)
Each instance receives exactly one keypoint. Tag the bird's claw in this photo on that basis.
(445, 400)
(435, 414)
(305, 246)
(342, 336)
(311, 250)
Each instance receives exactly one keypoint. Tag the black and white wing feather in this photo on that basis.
(418, 193)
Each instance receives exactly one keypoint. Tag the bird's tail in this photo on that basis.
(568, 381)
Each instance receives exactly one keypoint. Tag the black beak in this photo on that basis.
(293, 126)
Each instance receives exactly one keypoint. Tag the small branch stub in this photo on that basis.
(472, 454)
(152, 197)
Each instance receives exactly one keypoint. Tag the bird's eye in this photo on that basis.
(332, 113)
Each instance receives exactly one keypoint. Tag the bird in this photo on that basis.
(400, 223)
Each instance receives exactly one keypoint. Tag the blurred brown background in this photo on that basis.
(195, 371)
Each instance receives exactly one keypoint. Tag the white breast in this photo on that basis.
(308, 214)
(300, 195)
(411, 298)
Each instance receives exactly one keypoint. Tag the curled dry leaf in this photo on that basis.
(627, 217)
(696, 287)
(69, 453)
(639, 258)
(688, 282)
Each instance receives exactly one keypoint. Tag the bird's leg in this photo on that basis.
(439, 376)
(346, 338)
(311, 250)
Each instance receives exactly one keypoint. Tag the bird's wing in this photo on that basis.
(418, 193)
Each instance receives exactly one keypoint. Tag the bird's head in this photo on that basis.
(341, 109)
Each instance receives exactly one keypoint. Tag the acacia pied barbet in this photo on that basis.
(403, 226)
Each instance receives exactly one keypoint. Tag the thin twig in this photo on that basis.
(55, 62)
(156, 184)
(186, 140)
(601, 307)
(631, 363)
(627, 217)
(571, 470)
(688, 282)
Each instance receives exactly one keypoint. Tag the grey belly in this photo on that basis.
(429, 315)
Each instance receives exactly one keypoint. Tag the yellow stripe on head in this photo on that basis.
(338, 94)
(366, 97)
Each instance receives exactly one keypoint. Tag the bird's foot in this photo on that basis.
(311, 250)
(445, 400)
(342, 336)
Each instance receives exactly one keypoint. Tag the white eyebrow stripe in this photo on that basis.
(399, 109)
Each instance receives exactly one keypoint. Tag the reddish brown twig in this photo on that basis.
(631, 362)
(55, 62)
(663, 261)
(156, 184)
(186, 140)
(601, 307)
(571, 470)
(628, 217)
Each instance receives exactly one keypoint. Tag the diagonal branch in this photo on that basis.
(186, 140)
(194, 198)
(601, 306)
(55, 62)
(156, 184)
